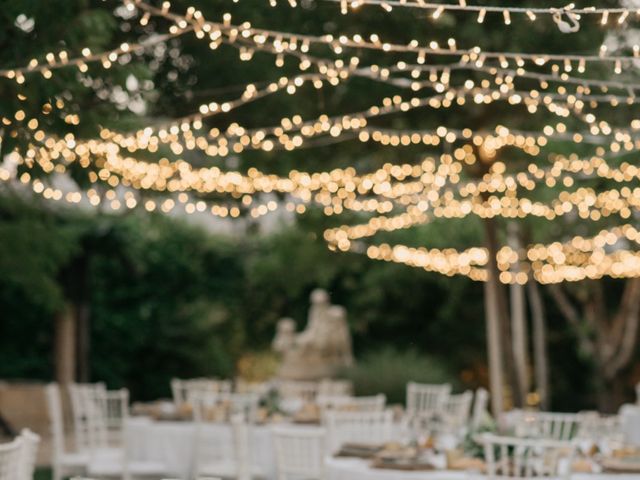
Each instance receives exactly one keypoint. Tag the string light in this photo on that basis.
(262, 36)
(400, 195)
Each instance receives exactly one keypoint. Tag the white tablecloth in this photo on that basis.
(630, 419)
(357, 469)
(173, 444)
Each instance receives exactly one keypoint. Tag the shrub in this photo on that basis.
(388, 370)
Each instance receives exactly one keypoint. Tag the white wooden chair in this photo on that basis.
(595, 427)
(10, 457)
(81, 429)
(548, 425)
(480, 408)
(215, 457)
(28, 453)
(300, 453)
(63, 463)
(426, 399)
(457, 410)
(104, 412)
(358, 427)
(372, 403)
(516, 458)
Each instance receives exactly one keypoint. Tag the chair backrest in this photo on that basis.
(372, 403)
(28, 454)
(548, 425)
(211, 411)
(599, 427)
(10, 457)
(99, 415)
(56, 419)
(518, 458)
(358, 427)
(115, 404)
(300, 453)
(425, 399)
(84, 426)
(457, 409)
(480, 408)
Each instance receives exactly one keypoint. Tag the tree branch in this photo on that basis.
(572, 316)
(627, 321)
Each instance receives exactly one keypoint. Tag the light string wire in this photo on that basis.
(464, 7)
(343, 41)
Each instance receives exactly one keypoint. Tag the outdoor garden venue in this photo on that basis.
(319, 239)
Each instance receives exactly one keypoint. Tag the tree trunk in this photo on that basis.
(540, 354)
(492, 317)
(65, 346)
(520, 342)
(83, 342)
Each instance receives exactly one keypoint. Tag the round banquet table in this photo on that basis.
(173, 444)
(358, 469)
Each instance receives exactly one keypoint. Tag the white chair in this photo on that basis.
(63, 463)
(373, 428)
(105, 412)
(480, 408)
(457, 410)
(28, 453)
(426, 399)
(300, 453)
(516, 458)
(10, 457)
(600, 428)
(215, 457)
(77, 394)
(548, 425)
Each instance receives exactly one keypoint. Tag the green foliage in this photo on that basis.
(33, 250)
(169, 293)
(388, 371)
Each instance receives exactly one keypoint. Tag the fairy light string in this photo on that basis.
(400, 195)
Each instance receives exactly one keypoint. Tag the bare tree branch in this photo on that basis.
(572, 316)
(627, 320)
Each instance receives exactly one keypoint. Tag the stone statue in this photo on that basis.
(321, 349)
